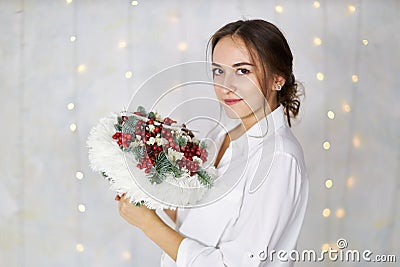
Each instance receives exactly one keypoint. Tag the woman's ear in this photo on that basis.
(279, 80)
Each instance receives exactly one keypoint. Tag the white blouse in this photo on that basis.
(263, 212)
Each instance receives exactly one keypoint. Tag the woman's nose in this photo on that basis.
(229, 83)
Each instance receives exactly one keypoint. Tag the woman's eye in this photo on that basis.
(242, 71)
(217, 71)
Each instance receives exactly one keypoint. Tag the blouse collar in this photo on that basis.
(265, 127)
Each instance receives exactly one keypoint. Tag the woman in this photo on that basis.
(252, 68)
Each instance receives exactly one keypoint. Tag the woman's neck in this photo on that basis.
(249, 121)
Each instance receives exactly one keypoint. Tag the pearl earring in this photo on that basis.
(278, 87)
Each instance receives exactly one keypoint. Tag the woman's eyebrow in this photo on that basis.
(235, 65)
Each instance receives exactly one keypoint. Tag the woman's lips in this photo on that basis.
(231, 101)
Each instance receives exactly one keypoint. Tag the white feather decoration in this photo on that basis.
(106, 157)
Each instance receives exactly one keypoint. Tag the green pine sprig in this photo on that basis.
(204, 178)
(162, 167)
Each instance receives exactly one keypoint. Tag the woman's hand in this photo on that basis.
(147, 220)
(139, 216)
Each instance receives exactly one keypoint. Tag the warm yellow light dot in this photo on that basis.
(122, 44)
(81, 68)
(356, 141)
(326, 145)
(365, 42)
(79, 247)
(128, 74)
(72, 38)
(173, 17)
(70, 106)
(79, 175)
(325, 246)
(316, 4)
(126, 255)
(330, 114)
(340, 213)
(328, 183)
(350, 181)
(320, 76)
(72, 127)
(351, 8)
(68, 1)
(354, 78)
(81, 207)
(182, 46)
(346, 107)
(317, 41)
(279, 9)
(134, 3)
(326, 212)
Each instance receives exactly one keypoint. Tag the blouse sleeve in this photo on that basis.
(270, 219)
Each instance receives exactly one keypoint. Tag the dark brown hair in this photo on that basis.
(268, 45)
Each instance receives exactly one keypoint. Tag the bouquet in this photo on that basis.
(150, 159)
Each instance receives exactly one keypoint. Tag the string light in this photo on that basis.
(70, 106)
(325, 246)
(79, 247)
(126, 255)
(351, 8)
(326, 145)
(320, 76)
(354, 78)
(79, 175)
(72, 127)
(328, 183)
(365, 42)
(317, 41)
(316, 4)
(173, 17)
(279, 9)
(81, 207)
(340, 213)
(350, 181)
(81, 68)
(72, 38)
(134, 3)
(182, 46)
(122, 44)
(330, 114)
(346, 107)
(128, 74)
(356, 141)
(326, 212)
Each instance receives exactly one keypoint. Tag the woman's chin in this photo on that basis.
(232, 114)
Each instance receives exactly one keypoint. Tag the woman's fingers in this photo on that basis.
(118, 197)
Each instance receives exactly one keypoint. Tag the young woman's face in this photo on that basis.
(235, 80)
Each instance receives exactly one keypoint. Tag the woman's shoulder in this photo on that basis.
(287, 143)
